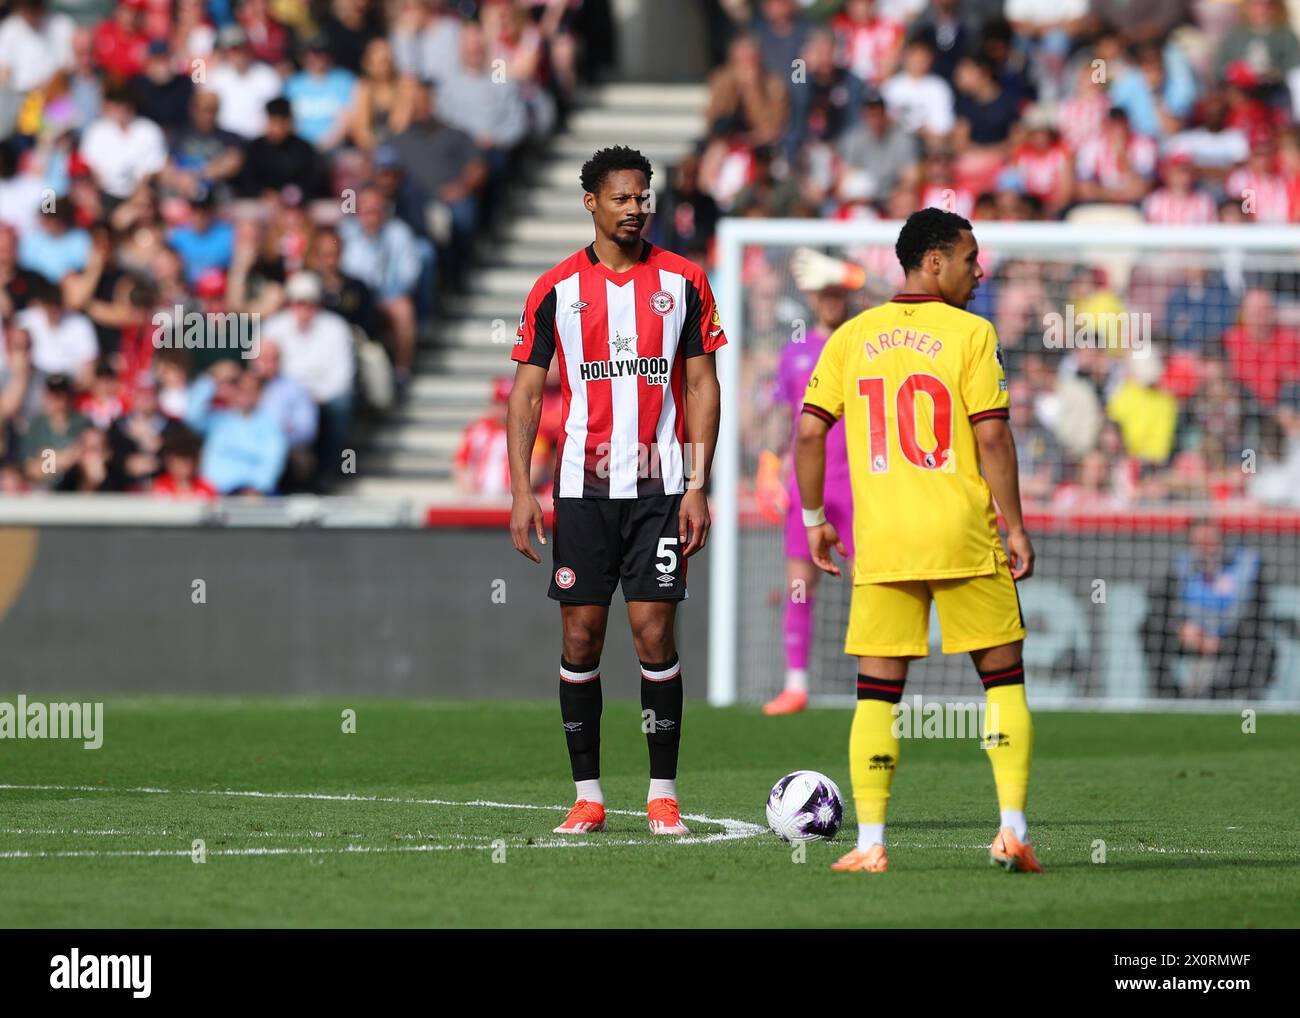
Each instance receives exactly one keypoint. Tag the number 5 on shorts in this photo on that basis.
(666, 557)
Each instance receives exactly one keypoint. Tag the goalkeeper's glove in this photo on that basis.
(814, 271)
(769, 487)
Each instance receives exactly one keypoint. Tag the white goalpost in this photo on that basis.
(1108, 606)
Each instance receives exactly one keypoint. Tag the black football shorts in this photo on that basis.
(599, 541)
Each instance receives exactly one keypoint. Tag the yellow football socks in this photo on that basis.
(1008, 736)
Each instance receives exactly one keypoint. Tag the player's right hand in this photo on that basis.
(821, 539)
(525, 519)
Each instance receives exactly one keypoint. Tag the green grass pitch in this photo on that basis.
(1198, 820)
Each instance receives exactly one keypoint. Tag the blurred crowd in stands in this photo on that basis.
(302, 176)
(1116, 112)
(1090, 111)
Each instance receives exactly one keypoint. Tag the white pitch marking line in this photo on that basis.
(732, 830)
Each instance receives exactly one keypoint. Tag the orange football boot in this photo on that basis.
(664, 817)
(584, 818)
(1012, 854)
(873, 860)
(788, 701)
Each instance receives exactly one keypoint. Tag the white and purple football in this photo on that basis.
(805, 806)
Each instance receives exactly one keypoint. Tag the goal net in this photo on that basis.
(1154, 375)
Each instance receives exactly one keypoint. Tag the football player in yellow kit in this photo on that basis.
(920, 385)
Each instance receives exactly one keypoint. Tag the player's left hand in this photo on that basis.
(821, 540)
(1021, 553)
(693, 522)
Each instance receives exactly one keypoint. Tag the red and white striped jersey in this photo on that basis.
(1081, 119)
(866, 47)
(622, 339)
(1271, 202)
(1042, 169)
(1191, 209)
(1098, 161)
(483, 456)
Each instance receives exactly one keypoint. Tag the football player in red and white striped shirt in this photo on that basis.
(635, 329)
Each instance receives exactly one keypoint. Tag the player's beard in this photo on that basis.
(627, 240)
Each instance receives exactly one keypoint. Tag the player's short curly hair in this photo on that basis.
(607, 160)
(926, 230)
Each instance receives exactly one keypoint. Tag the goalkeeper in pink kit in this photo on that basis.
(829, 280)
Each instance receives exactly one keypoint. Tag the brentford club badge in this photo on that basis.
(662, 302)
(564, 577)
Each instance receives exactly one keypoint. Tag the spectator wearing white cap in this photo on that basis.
(315, 346)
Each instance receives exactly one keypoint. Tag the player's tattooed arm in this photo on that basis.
(703, 413)
(523, 416)
(998, 461)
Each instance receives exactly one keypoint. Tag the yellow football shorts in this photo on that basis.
(893, 619)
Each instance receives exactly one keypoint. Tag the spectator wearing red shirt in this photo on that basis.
(1262, 354)
(120, 42)
(1117, 165)
(483, 462)
(1288, 165)
(1261, 190)
(1247, 110)
(1043, 163)
(940, 188)
(870, 44)
(1179, 202)
(269, 40)
(180, 478)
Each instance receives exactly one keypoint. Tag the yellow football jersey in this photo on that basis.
(911, 378)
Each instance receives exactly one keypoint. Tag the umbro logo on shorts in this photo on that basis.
(573, 726)
(666, 579)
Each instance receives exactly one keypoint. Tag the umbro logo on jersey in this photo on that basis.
(908, 312)
(578, 305)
